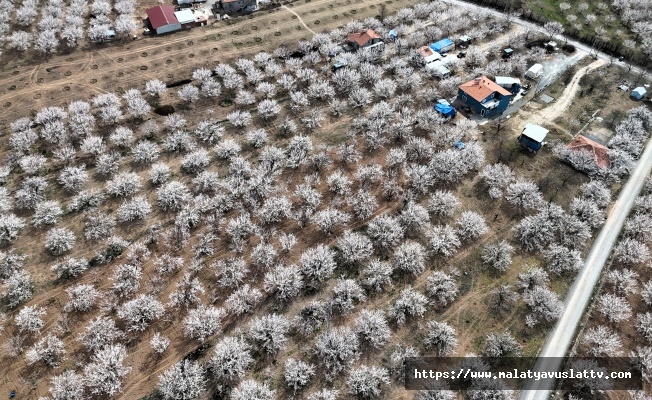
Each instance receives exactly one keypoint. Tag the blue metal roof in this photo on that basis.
(437, 46)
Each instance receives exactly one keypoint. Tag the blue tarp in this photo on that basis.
(392, 34)
(445, 109)
(443, 45)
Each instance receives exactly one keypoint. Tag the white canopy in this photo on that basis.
(185, 16)
(535, 132)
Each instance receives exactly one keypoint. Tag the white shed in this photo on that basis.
(535, 71)
(185, 16)
(638, 93)
(506, 81)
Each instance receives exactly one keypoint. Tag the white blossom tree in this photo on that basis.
(410, 303)
(614, 308)
(297, 373)
(104, 374)
(440, 337)
(372, 328)
(269, 332)
(140, 312)
(59, 240)
(544, 304)
(337, 349)
(442, 287)
(183, 381)
(230, 360)
(367, 381)
(601, 341)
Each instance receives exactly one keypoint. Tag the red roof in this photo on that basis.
(425, 51)
(480, 88)
(161, 15)
(363, 37)
(599, 151)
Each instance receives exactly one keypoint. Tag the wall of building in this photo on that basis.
(168, 28)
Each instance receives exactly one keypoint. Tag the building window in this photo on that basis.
(482, 112)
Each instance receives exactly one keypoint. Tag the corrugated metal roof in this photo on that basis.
(161, 15)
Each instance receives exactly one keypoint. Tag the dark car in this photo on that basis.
(461, 54)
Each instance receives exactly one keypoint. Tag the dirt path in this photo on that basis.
(549, 114)
(502, 39)
(300, 19)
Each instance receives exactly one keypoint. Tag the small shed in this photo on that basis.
(443, 46)
(638, 93)
(534, 72)
(508, 52)
(465, 40)
(509, 83)
(444, 108)
(185, 17)
(439, 70)
(532, 137)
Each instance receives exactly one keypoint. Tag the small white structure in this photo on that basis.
(507, 82)
(185, 16)
(534, 72)
(438, 69)
(638, 93)
(532, 137)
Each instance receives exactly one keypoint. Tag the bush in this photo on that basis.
(568, 48)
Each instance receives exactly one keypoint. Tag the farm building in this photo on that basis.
(534, 72)
(443, 46)
(484, 96)
(600, 152)
(162, 19)
(238, 5)
(532, 137)
(427, 55)
(638, 93)
(509, 83)
(363, 39)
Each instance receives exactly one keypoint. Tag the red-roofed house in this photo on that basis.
(363, 39)
(162, 19)
(582, 143)
(484, 96)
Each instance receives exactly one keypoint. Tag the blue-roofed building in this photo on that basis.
(443, 46)
(444, 108)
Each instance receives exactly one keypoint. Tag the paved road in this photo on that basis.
(579, 296)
